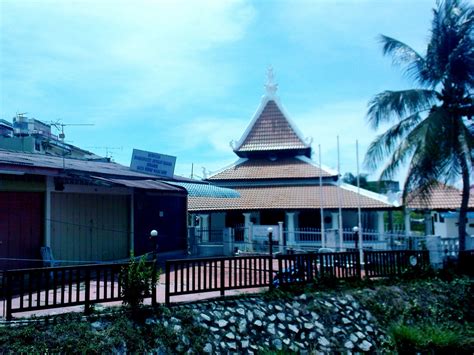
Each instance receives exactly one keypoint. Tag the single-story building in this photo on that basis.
(84, 210)
(441, 211)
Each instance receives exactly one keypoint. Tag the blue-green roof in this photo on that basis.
(205, 190)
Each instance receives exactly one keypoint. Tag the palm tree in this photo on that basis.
(433, 128)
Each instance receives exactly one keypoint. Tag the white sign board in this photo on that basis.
(153, 163)
(260, 232)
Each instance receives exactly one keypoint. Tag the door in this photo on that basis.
(21, 229)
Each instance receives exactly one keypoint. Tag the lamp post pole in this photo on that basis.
(356, 236)
(154, 237)
(270, 240)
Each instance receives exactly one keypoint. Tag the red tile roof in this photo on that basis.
(270, 131)
(442, 198)
(287, 168)
(286, 197)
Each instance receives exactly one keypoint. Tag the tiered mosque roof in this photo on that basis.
(275, 170)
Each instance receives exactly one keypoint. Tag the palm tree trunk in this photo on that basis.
(464, 203)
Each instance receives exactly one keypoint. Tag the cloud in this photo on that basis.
(346, 119)
(215, 131)
(136, 54)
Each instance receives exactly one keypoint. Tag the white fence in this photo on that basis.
(228, 241)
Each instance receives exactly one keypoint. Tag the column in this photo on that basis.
(390, 221)
(406, 214)
(335, 220)
(297, 220)
(332, 238)
(381, 225)
(428, 223)
(247, 231)
(281, 243)
(47, 212)
(204, 227)
(290, 217)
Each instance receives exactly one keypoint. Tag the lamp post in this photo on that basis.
(356, 236)
(154, 237)
(270, 240)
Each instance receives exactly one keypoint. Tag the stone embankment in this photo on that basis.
(302, 324)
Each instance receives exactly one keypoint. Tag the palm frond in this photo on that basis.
(389, 104)
(418, 186)
(449, 51)
(447, 146)
(466, 146)
(406, 149)
(384, 144)
(403, 55)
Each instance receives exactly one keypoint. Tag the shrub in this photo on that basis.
(138, 280)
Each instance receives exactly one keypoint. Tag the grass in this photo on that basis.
(426, 316)
(430, 339)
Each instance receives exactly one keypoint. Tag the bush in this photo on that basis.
(138, 280)
(431, 339)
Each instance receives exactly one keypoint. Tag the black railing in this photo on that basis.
(44, 288)
(303, 268)
(394, 262)
(36, 289)
(188, 276)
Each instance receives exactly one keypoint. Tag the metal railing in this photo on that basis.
(44, 288)
(304, 268)
(187, 276)
(394, 262)
(307, 235)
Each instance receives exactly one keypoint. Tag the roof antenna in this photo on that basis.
(60, 127)
(108, 150)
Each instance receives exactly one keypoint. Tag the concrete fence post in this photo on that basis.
(291, 229)
(331, 239)
(228, 242)
(433, 244)
(250, 240)
(469, 242)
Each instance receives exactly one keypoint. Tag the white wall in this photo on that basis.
(449, 227)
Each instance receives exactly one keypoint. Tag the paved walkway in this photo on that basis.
(81, 293)
(248, 272)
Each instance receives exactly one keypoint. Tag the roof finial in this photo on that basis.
(271, 86)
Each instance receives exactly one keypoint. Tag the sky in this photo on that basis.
(184, 78)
